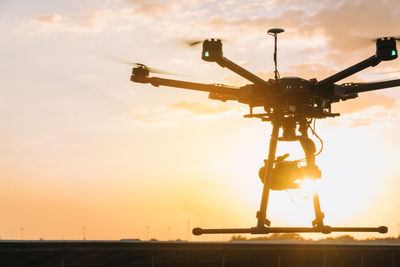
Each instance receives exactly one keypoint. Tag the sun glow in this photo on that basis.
(344, 189)
(308, 187)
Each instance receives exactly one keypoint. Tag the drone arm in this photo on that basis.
(224, 62)
(369, 62)
(230, 93)
(359, 88)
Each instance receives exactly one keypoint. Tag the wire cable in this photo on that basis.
(319, 138)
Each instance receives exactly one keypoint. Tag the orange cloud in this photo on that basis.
(312, 70)
(365, 101)
(155, 9)
(136, 1)
(248, 26)
(58, 23)
(51, 18)
(351, 24)
(174, 113)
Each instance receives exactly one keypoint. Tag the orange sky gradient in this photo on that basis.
(82, 146)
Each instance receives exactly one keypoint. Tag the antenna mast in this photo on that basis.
(274, 32)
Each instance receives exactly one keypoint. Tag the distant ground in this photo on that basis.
(271, 253)
(299, 238)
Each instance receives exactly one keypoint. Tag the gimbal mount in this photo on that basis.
(289, 103)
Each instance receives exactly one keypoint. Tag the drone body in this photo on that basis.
(290, 104)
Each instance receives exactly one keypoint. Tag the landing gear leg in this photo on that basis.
(319, 215)
(262, 213)
(309, 151)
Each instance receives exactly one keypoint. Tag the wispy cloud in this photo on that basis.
(365, 101)
(376, 116)
(54, 23)
(255, 24)
(198, 107)
(351, 23)
(155, 9)
(93, 21)
(369, 109)
(312, 70)
(183, 110)
(50, 18)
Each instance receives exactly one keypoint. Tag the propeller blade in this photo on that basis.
(362, 41)
(121, 61)
(386, 72)
(193, 42)
(196, 42)
(141, 65)
(364, 83)
(397, 38)
(158, 71)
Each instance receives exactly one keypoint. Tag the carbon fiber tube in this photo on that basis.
(369, 62)
(269, 230)
(359, 88)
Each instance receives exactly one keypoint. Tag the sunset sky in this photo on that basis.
(82, 146)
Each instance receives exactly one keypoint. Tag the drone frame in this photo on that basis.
(326, 91)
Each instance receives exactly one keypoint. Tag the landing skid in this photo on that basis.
(269, 230)
(263, 224)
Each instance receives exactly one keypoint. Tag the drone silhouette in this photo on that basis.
(291, 104)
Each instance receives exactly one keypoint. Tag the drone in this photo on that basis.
(291, 104)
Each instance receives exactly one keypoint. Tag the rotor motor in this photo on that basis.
(386, 48)
(212, 50)
(141, 71)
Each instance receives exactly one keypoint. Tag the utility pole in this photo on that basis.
(188, 230)
(84, 232)
(22, 233)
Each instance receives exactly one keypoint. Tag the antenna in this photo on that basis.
(274, 32)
